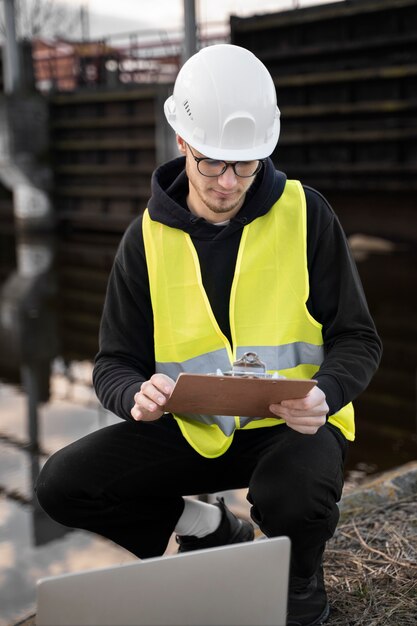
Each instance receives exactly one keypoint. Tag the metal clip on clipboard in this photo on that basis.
(250, 366)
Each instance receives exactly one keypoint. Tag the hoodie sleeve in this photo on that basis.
(352, 346)
(126, 356)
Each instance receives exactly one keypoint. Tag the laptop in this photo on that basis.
(244, 584)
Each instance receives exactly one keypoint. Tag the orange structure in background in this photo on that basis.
(132, 58)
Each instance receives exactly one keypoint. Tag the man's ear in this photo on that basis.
(181, 144)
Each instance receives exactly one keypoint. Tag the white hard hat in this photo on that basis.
(224, 104)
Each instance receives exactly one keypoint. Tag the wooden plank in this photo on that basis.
(84, 276)
(95, 95)
(105, 169)
(349, 108)
(350, 136)
(120, 143)
(76, 318)
(347, 76)
(334, 183)
(97, 221)
(358, 168)
(126, 121)
(82, 299)
(102, 192)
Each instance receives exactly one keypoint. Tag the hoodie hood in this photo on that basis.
(170, 188)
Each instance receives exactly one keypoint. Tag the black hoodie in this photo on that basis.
(126, 358)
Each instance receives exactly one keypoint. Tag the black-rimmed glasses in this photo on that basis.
(215, 167)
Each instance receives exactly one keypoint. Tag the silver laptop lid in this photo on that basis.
(238, 585)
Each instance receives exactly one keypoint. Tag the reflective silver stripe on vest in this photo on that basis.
(203, 364)
(286, 356)
(226, 423)
(276, 358)
(245, 420)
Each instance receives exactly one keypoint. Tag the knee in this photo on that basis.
(281, 500)
(54, 489)
(285, 506)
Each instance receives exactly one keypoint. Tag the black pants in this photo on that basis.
(126, 482)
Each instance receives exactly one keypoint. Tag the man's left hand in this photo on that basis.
(305, 415)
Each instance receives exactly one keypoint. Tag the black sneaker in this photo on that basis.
(307, 601)
(231, 530)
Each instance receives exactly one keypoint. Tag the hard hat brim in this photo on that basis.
(218, 152)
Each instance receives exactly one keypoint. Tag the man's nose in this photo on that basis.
(228, 179)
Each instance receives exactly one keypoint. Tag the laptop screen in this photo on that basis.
(244, 584)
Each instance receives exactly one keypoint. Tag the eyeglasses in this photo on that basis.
(214, 168)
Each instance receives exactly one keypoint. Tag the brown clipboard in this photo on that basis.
(233, 395)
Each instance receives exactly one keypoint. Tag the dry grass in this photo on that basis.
(371, 568)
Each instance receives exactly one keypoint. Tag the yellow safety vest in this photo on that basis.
(268, 313)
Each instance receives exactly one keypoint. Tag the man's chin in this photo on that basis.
(224, 207)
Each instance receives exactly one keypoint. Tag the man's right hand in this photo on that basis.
(150, 400)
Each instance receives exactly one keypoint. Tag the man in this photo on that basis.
(229, 257)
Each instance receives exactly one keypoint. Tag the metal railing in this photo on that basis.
(135, 58)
